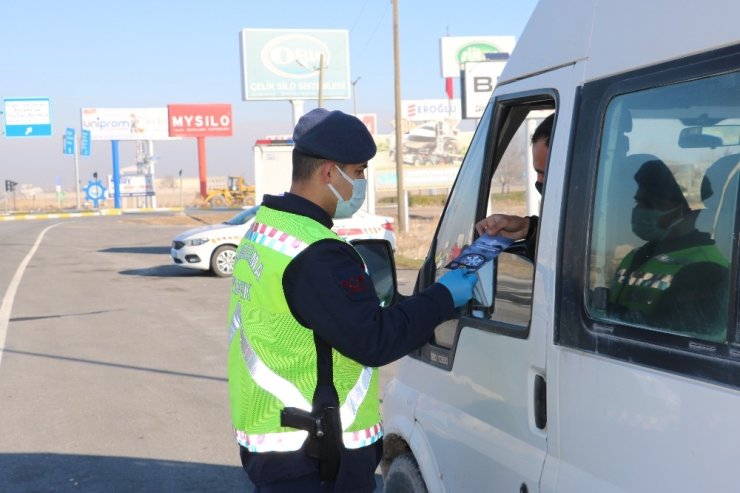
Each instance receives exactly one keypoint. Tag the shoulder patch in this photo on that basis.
(354, 282)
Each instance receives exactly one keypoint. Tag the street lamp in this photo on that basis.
(354, 95)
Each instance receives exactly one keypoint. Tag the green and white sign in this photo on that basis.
(458, 50)
(287, 63)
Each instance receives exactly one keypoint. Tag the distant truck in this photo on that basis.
(434, 142)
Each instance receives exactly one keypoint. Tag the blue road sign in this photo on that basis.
(69, 141)
(85, 144)
(27, 117)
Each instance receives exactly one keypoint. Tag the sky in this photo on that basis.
(139, 54)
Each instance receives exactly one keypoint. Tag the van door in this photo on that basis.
(482, 382)
(647, 360)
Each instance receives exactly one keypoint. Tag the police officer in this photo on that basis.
(307, 330)
(678, 280)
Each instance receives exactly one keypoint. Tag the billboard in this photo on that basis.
(126, 123)
(285, 63)
(371, 122)
(134, 185)
(457, 50)
(199, 120)
(424, 110)
(478, 81)
(27, 117)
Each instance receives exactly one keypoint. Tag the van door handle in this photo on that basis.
(540, 402)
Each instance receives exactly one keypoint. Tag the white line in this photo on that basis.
(13, 287)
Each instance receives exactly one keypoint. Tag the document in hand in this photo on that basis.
(477, 258)
(480, 252)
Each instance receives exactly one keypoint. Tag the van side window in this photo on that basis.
(665, 209)
(497, 183)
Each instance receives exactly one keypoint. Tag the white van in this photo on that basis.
(552, 385)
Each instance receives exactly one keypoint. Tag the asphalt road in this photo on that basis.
(113, 373)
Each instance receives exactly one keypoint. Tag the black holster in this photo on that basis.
(324, 434)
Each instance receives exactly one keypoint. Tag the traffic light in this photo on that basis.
(10, 185)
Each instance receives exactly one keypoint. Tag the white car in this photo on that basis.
(214, 247)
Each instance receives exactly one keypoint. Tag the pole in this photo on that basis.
(150, 160)
(354, 95)
(402, 209)
(116, 175)
(182, 209)
(77, 174)
(321, 81)
(297, 110)
(203, 175)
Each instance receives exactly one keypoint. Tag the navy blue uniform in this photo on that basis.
(328, 291)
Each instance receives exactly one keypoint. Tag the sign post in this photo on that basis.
(70, 147)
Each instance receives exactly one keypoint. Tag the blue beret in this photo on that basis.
(335, 136)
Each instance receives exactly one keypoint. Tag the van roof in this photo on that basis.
(617, 36)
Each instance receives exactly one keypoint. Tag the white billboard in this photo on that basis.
(478, 81)
(424, 110)
(458, 50)
(134, 185)
(126, 123)
(286, 63)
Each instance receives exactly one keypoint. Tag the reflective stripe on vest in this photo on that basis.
(287, 393)
(276, 240)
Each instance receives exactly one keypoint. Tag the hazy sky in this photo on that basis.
(104, 54)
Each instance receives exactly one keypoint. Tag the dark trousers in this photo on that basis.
(289, 472)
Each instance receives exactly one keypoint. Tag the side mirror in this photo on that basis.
(378, 257)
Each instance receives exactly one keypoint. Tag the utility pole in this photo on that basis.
(401, 192)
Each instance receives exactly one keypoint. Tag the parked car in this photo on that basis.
(214, 247)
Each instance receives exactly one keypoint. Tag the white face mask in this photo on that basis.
(345, 208)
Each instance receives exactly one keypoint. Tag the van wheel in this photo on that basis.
(222, 261)
(403, 476)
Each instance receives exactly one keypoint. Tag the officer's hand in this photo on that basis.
(460, 285)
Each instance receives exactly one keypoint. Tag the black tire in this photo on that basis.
(218, 201)
(403, 476)
(222, 260)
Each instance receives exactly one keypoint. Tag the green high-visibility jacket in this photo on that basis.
(272, 358)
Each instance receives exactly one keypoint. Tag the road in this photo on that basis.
(113, 374)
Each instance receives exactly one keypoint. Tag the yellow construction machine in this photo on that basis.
(236, 193)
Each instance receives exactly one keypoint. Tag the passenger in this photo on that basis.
(678, 280)
(517, 227)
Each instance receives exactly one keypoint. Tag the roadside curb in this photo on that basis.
(61, 215)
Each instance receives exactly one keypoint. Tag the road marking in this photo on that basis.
(9, 297)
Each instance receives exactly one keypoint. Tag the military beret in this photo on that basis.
(335, 136)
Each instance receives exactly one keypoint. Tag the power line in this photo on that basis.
(359, 15)
(377, 26)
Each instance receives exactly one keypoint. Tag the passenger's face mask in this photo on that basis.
(646, 223)
(345, 208)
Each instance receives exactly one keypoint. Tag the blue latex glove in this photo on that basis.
(460, 285)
